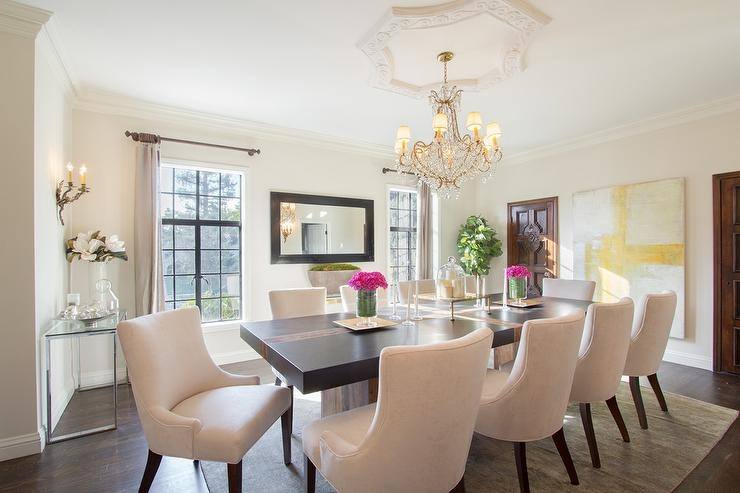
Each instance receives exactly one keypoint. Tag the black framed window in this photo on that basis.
(403, 217)
(201, 241)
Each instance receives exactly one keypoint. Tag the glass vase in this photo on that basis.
(367, 307)
(518, 288)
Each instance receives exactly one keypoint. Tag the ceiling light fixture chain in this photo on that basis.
(449, 159)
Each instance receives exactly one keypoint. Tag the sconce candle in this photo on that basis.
(70, 168)
(83, 175)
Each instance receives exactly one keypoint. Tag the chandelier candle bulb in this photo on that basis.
(439, 123)
(475, 123)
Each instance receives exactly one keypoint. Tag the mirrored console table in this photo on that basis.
(77, 329)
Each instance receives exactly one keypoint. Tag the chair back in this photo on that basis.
(568, 288)
(425, 286)
(167, 362)
(650, 334)
(420, 436)
(300, 302)
(604, 345)
(532, 402)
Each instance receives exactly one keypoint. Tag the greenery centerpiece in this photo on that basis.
(331, 276)
(366, 284)
(477, 244)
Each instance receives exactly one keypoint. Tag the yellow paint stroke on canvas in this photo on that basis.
(611, 258)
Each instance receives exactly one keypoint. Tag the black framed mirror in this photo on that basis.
(313, 229)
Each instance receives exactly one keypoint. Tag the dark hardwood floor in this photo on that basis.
(113, 461)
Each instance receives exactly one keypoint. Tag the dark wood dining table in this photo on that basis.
(315, 354)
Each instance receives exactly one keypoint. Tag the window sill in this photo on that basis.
(211, 327)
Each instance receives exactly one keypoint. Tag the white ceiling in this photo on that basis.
(598, 63)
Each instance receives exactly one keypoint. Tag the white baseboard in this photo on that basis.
(688, 359)
(235, 356)
(21, 446)
(101, 377)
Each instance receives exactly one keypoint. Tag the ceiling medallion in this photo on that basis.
(449, 159)
(515, 20)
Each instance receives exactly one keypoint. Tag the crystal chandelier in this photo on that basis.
(449, 159)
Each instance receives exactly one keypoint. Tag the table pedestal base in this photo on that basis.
(348, 397)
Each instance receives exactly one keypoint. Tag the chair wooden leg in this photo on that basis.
(235, 477)
(520, 456)
(562, 446)
(637, 397)
(588, 428)
(653, 379)
(617, 415)
(309, 469)
(286, 424)
(152, 464)
(459, 487)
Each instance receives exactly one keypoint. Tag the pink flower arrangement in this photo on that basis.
(368, 281)
(517, 271)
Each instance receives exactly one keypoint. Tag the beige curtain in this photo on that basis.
(148, 282)
(425, 232)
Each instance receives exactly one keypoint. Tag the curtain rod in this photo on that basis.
(391, 170)
(156, 139)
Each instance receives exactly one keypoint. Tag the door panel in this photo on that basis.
(533, 238)
(727, 272)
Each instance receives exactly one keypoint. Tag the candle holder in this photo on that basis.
(66, 194)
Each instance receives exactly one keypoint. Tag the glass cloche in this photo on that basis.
(450, 280)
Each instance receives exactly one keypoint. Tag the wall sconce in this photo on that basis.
(66, 194)
(287, 219)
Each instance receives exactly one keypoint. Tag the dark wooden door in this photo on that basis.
(533, 239)
(727, 272)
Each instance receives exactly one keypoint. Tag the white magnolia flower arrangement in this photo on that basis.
(95, 247)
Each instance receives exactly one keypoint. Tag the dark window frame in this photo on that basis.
(414, 228)
(197, 224)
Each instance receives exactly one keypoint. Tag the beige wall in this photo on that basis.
(18, 403)
(694, 150)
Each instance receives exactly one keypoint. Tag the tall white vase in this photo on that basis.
(96, 271)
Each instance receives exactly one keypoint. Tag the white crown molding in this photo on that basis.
(117, 105)
(650, 124)
(48, 49)
(518, 15)
(21, 19)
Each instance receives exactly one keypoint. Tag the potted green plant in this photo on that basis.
(477, 244)
(331, 276)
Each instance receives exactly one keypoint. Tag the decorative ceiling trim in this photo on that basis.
(112, 104)
(517, 14)
(21, 19)
(49, 49)
(650, 124)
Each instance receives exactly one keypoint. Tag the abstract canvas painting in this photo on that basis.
(630, 239)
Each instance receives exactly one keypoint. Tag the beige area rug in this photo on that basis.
(656, 460)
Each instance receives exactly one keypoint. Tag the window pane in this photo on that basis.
(184, 287)
(413, 200)
(184, 262)
(229, 261)
(230, 309)
(230, 237)
(165, 179)
(403, 257)
(184, 237)
(413, 219)
(209, 236)
(230, 185)
(169, 288)
(185, 181)
(394, 239)
(230, 285)
(208, 183)
(167, 263)
(210, 286)
(403, 239)
(412, 240)
(169, 306)
(184, 206)
(167, 236)
(209, 261)
(404, 201)
(210, 310)
(230, 209)
(394, 200)
(394, 218)
(184, 304)
(209, 208)
(403, 219)
(166, 205)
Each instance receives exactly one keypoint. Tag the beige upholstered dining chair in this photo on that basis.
(425, 286)
(349, 297)
(187, 405)
(648, 342)
(417, 436)
(568, 288)
(606, 338)
(529, 403)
